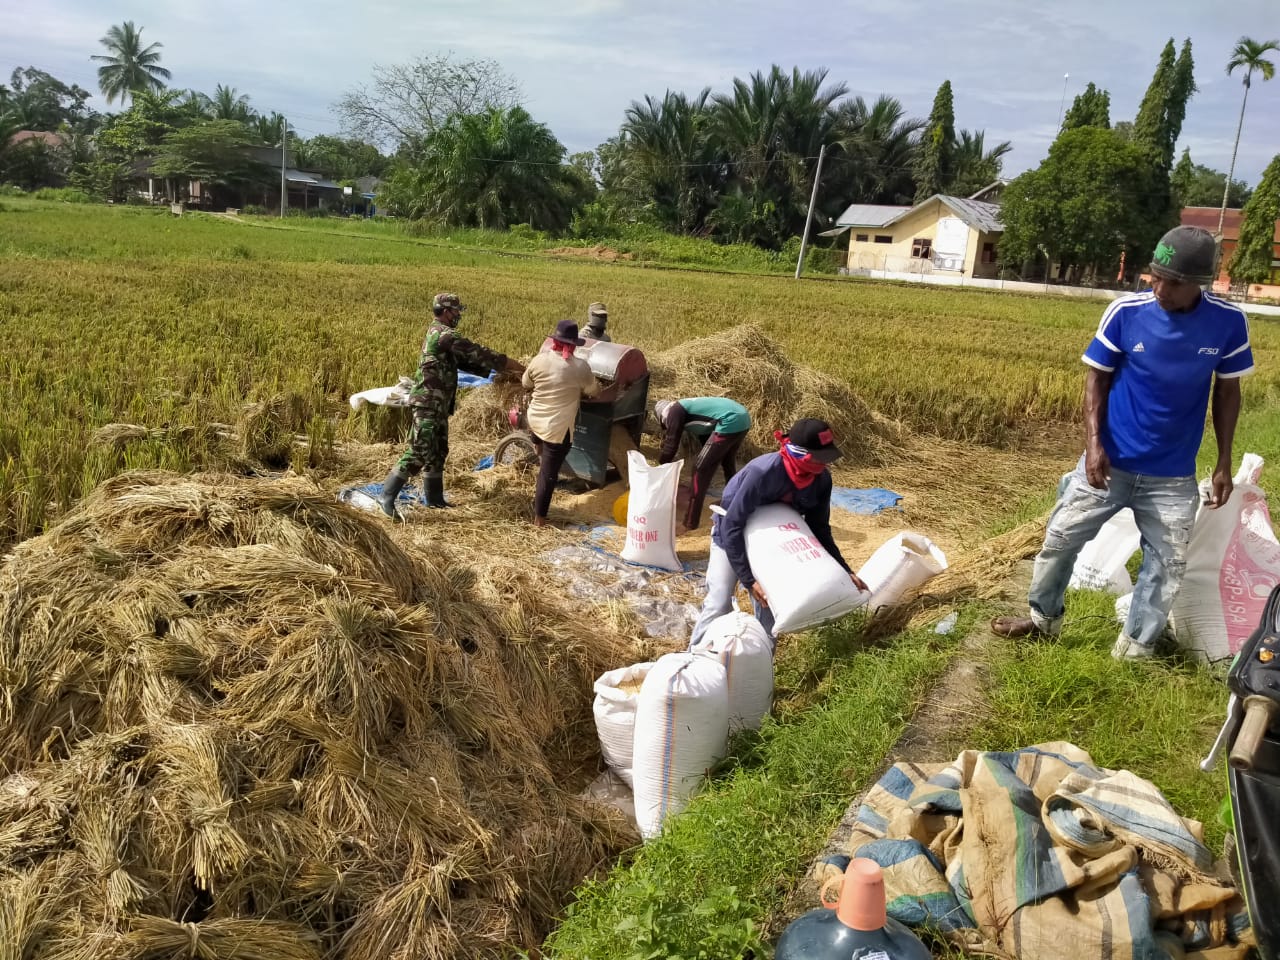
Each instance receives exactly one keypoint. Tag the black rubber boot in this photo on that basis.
(391, 488)
(433, 491)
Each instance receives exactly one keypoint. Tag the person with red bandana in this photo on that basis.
(796, 475)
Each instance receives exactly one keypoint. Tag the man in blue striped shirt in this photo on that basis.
(1155, 363)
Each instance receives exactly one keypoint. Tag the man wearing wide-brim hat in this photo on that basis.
(559, 381)
(1157, 361)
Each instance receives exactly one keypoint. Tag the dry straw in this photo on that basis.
(242, 720)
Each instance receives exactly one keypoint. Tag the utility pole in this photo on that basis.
(284, 152)
(813, 199)
(1063, 102)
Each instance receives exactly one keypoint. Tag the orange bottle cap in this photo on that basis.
(862, 896)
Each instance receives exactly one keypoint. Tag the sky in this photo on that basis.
(580, 63)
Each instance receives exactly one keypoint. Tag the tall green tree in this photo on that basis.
(937, 143)
(1164, 106)
(1091, 108)
(36, 100)
(1255, 251)
(128, 67)
(1077, 207)
(213, 152)
(1149, 125)
(1248, 55)
(1196, 185)
(490, 169)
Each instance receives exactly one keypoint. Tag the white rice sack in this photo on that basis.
(617, 696)
(900, 564)
(805, 585)
(1103, 563)
(651, 513)
(682, 727)
(743, 647)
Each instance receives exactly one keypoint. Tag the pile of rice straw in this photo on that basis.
(239, 721)
(744, 364)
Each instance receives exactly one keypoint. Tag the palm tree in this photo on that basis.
(878, 151)
(492, 169)
(228, 104)
(670, 159)
(974, 166)
(1250, 54)
(129, 67)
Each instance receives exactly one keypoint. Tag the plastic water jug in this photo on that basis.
(857, 929)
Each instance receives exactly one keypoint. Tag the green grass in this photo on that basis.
(129, 314)
(717, 875)
(1155, 718)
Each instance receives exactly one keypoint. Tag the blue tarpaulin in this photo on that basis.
(471, 380)
(870, 500)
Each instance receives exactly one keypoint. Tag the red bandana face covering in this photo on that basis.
(801, 467)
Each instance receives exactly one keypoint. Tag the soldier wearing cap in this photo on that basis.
(797, 474)
(1156, 363)
(597, 318)
(432, 398)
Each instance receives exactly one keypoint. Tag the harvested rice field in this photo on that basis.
(243, 719)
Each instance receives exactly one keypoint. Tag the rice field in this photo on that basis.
(225, 340)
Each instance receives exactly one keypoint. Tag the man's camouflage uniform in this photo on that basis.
(434, 394)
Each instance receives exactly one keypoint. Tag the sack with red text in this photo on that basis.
(804, 584)
(1233, 563)
(745, 650)
(651, 513)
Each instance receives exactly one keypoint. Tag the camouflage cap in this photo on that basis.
(447, 301)
(597, 309)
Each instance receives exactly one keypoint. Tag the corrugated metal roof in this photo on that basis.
(297, 176)
(976, 213)
(869, 215)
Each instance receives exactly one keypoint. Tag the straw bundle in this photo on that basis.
(746, 365)
(239, 720)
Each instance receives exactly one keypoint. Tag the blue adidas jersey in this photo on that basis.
(1163, 365)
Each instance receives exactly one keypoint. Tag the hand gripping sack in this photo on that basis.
(651, 513)
(1103, 563)
(682, 726)
(900, 564)
(617, 696)
(1233, 562)
(804, 584)
(741, 645)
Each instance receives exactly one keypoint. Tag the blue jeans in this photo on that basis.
(1165, 510)
(722, 584)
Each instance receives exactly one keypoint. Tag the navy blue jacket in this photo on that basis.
(763, 481)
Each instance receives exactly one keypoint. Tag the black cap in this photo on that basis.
(1185, 253)
(567, 332)
(816, 437)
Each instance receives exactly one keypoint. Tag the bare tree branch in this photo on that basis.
(407, 102)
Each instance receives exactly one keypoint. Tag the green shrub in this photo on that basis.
(11, 190)
(64, 194)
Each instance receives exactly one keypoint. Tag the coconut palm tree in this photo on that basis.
(227, 103)
(129, 67)
(1251, 55)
